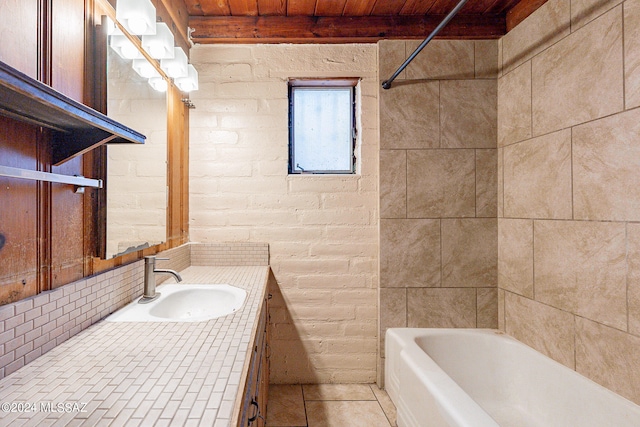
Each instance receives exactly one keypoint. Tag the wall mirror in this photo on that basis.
(136, 173)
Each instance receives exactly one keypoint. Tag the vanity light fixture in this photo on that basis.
(111, 27)
(160, 44)
(144, 68)
(158, 83)
(189, 83)
(123, 46)
(137, 16)
(176, 66)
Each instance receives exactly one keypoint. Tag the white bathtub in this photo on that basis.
(484, 378)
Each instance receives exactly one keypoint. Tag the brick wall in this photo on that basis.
(321, 230)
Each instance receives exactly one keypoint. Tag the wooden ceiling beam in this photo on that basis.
(339, 29)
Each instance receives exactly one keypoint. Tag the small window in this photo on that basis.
(322, 126)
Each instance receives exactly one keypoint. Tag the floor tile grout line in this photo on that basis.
(304, 405)
(391, 423)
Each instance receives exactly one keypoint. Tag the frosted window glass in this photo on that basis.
(322, 130)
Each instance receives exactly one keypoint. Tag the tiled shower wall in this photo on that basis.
(569, 187)
(438, 186)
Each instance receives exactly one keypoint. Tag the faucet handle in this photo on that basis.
(162, 259)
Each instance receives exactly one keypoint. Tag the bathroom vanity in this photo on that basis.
(251, 409)
(212, 373)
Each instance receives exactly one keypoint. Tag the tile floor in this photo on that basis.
(329, 405)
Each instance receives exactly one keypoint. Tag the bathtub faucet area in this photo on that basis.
(150, 270)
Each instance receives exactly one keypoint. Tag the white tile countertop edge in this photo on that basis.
(143, 374)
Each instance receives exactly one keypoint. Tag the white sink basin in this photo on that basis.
(184, 303)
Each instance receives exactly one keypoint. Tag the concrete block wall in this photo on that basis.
(322, 230)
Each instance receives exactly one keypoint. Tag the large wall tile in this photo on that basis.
(409, 253)
(632, 53)
(486, 59)
(501, 309)
(441, 183)
(606, 168)
(515, 256)
(547, 329)
(581, 267)
(633, 277)
(585, 11)
(579, 78)
(486, 183)
(547, 25)
(469, 252)
(442, 60)
(391, 54)
(500, 182)
(537, 177)
(410, 116)
(393, 183)
(514, 106)
(393, 311)
(487, 308)
(441, 308)
(609, 357)
(468, 114)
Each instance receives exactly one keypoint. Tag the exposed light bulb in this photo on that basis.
(137, 16)
(129, 51)
(144, 68)
(176, 67)
(156, 51)
(159, 45)
(190, 82)
(111, 27)
(123, 46)
(158, 83)
(137, 25)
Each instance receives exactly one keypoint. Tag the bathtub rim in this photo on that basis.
(454, 404)
(409, 337)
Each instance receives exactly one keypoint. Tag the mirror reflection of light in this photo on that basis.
(137, 25)
(144, 68)
(111, 27)
(159, 45)
(158, 83)
(123, 46)
(137, 16)
(176, 67)
(189, 83)
(129, 51)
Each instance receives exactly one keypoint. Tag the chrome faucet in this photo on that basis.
(150, 271)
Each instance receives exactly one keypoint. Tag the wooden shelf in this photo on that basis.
(76, 127)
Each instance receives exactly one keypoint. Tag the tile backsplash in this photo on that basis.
(35, 325)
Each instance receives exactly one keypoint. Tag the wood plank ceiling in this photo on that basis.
(342, 21)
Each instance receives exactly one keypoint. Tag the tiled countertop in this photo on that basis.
(142, 374)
